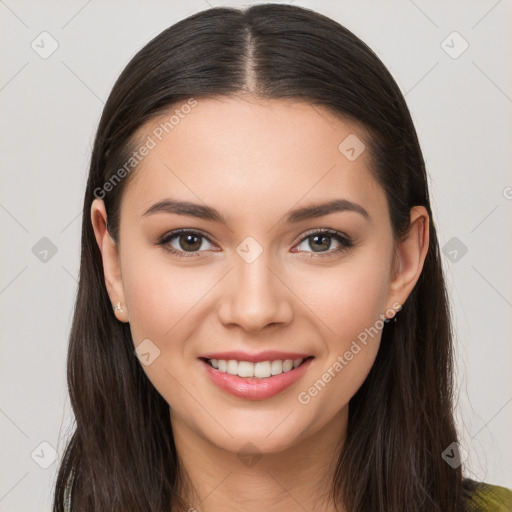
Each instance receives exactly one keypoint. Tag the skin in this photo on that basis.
(255, 160)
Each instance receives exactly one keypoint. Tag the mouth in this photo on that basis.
(255, 381)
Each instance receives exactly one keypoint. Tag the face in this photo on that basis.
(264, 277)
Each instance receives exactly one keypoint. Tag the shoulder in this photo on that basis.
(486, 497)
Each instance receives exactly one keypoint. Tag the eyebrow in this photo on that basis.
(297, 215)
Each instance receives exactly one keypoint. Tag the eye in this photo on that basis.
(184, 242)
(321, 240)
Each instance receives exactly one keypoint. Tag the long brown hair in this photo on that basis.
(122, 455)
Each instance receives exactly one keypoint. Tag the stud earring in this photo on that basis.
(117, 307)
(393, 318)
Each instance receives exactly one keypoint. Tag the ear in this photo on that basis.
(410, 253)
(110, 257)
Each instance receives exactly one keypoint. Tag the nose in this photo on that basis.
(255, 297)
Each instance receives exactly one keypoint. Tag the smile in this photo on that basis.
(255, 381)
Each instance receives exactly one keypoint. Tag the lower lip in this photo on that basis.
(252, 388)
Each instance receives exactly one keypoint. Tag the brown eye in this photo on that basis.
(184, 242)
(189, 242)
(321, 242)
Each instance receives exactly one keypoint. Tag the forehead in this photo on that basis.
(246, 154)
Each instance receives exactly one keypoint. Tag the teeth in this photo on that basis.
(260, 370)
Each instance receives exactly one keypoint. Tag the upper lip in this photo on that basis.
(267, 355)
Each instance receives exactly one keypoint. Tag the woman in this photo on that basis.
(261, 320)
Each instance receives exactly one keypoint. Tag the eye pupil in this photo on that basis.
(193, 239)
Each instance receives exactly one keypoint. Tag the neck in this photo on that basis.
(299, 477)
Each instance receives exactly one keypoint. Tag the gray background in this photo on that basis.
(51, 106)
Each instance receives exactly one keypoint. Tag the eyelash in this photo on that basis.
(345, 241)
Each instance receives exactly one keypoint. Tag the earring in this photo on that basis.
(117, 307)
(393, 317)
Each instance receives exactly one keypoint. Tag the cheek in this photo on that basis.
(161, 296)
(163, 302)
(348, 302)
(349, 297)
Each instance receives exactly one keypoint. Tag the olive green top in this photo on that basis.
(491, 498)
